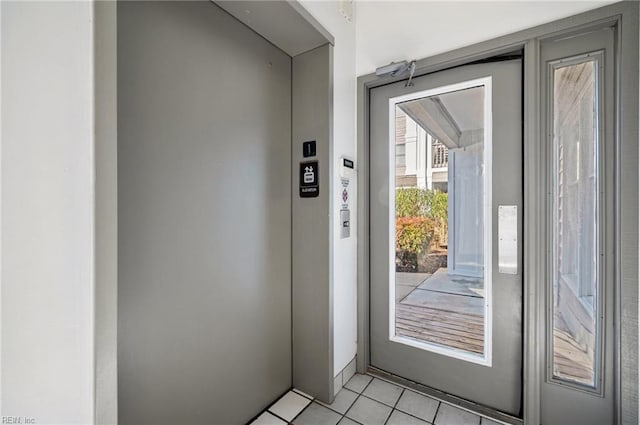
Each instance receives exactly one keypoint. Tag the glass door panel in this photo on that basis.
(440, 143)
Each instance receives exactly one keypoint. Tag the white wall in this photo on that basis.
(344, 124)
(389, 31)
(47, 211)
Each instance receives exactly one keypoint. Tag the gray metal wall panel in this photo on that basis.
(204, 210)
(312, 282)
(106, 212)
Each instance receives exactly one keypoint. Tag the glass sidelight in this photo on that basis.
(575, 337)
(440, 145)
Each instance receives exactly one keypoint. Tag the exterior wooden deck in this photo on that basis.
(571, 360)
(466, 332)
(447, 328)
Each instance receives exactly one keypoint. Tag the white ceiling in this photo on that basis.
(389, 31)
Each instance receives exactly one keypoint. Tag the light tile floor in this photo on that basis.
(367, 400)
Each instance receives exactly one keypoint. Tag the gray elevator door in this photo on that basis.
(446, 206)
(204, 216)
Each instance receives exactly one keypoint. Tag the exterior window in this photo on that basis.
(401, 158)
(440, 154)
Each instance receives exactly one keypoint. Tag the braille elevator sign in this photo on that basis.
(309, 187)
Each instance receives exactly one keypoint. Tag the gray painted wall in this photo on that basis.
(204, 216)
(312, 235)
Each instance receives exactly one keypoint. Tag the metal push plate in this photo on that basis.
(508, 239)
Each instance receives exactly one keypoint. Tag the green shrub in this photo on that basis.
(438, 213)
(421, 219)
(413, 234)
(412, 202)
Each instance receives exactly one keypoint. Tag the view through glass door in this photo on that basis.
(446, 201)
(442, 143)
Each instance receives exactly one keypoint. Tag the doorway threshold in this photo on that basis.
(467, 405)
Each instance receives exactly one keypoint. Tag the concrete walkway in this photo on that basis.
(441, 291)
(442, 309)
(407, 282)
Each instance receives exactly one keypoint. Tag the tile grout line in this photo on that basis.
(303, 409)
(276, 415)
(394, 405)
(414, 416)
(411, 414)
(437, 411)
(344, 415)
(268, 408)
(296, 416)
(377, 401)
(269, 412)
(368, 383)
(350, 405)
(406, 388)
(359, 394)
(398, 400)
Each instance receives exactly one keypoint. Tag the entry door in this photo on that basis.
(445, 220)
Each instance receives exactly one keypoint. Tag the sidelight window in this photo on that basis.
(576, 214)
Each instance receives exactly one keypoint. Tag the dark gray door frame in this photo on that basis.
(623, 17)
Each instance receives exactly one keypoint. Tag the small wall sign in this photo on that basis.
(309, 148)
(344, 193)
(309, 187)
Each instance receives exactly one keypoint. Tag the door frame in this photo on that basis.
(624, 18)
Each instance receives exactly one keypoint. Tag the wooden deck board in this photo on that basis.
(466, 332)
(447, 328)
(571, 361)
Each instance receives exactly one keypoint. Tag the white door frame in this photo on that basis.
(623, 17)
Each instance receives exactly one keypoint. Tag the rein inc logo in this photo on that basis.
(17, 420)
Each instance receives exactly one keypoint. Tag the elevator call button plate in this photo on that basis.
(309, 187)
